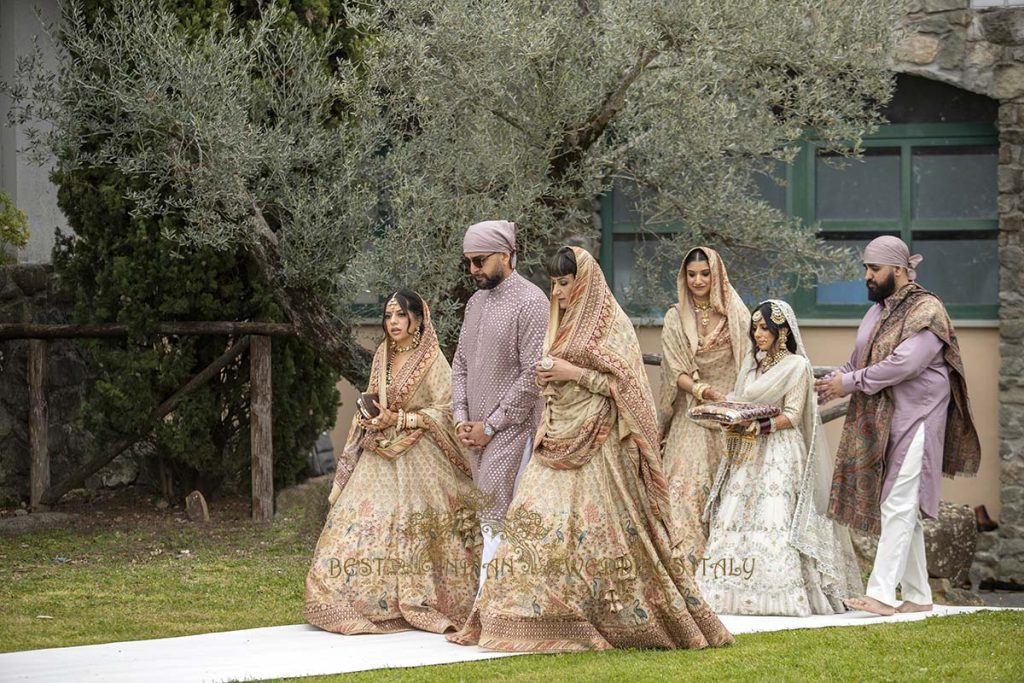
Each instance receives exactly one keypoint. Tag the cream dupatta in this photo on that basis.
(680, 338)
(811, 532)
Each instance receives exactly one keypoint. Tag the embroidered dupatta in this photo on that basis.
(594, 333)
(422, 385)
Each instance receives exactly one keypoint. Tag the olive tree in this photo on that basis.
(341, 176)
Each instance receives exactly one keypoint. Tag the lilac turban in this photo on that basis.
(491, 236)
(892, 251)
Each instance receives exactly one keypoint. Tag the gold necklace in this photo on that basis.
(396, 349)
(403, 349)
(704, 311)
(771, 359)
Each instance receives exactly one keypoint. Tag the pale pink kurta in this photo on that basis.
(918, 378)
(494, 381)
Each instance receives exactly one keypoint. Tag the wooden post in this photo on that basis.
(261, 438)
(39, 472)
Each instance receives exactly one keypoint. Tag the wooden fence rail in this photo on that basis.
(254, 336)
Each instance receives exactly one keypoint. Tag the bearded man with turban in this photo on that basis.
(908, 422)
(495, 399)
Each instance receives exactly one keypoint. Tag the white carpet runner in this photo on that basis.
(287, 651)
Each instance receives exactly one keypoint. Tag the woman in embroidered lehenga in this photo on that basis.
(401, 544)
(585, 562)
(771, 549)
(704, 342)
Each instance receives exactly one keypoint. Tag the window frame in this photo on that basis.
(800, 197)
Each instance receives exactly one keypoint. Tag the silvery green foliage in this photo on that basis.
(242, 133)
(463, 110)
(234, 130)
(528, 109)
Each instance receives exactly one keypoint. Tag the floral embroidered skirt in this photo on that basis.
(580, 567)
(400, 548)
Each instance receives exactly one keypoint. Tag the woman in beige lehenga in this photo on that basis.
(401, 545)
(585, 562)
(704, 342)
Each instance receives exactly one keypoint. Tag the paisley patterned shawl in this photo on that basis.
(594, 333)
(859, 472)
(680, 337)
(421, 385)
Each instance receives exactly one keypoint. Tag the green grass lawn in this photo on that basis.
(132, 580)
(62, 588)
(978, 647)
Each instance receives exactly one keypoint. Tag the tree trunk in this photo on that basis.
(328, 335)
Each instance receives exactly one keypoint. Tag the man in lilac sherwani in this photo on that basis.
(495, 399)
(908, 422)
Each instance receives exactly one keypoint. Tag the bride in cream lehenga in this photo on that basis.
(767, 505)
(586, 561)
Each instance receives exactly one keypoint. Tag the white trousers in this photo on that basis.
(492, 538)
(900, 558)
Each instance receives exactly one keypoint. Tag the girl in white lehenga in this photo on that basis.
(770, 551)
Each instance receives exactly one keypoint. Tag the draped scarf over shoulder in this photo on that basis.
(594, 333)
(859, 475)
(412, 390)
(680, 337)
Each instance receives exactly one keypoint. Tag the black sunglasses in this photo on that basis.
(477, 261)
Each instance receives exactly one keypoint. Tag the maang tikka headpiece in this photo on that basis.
(778, 317)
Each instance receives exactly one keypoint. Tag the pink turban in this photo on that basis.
(489, 237)
(892, 251)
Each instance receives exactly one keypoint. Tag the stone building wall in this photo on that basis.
(982, 51)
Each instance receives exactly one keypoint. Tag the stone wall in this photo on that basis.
(31, 293)
(982, 51)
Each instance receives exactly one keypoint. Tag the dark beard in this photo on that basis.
(491, 282)
(883, 291)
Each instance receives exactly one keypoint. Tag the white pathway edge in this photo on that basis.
(288, 651)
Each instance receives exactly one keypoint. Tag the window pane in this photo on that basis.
(625, 196)
(922, 100)
(955, 182)
(961, 267)
(769, 187)
(859, 189)
(630, 283)
(845, 292)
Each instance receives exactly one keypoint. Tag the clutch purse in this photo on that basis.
(365, 404)
(731, 412)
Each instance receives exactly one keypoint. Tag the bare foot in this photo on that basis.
(910, 607)
(869, 604)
